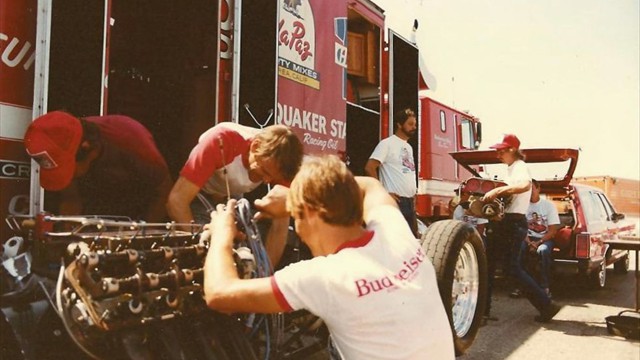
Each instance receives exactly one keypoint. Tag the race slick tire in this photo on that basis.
(458, 255)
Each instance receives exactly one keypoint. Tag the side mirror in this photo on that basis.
(478, 134)
(617, 217)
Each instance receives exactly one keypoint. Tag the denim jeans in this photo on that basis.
(498, 256)
(545, 260)
(516, 230)
(408, 209)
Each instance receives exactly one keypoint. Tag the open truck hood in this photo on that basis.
(486, 157)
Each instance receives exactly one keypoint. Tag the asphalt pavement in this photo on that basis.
(578, 331)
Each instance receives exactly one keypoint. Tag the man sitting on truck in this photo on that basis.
(100, 165)
(544, 222)
(371, 285)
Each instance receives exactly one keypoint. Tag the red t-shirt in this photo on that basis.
(124, 178)
(222, 147)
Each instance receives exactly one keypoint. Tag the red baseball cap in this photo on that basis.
(509, 141)
(52, 140)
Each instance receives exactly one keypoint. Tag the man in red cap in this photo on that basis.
(514, 227)
(100, 165)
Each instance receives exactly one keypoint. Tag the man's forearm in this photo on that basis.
(219, 272)
(551, 233)
(180, 212)
(277, 240)
(371, 169)
(373, 174)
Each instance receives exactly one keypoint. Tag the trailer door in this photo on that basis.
(256, 64)
(17, 54)
(77, 53)
(403, 84)
(70, 64)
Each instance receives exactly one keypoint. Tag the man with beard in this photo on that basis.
(392, 163)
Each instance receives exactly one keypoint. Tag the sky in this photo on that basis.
(555, 73)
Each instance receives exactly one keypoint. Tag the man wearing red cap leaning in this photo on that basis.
(100, 165)
(514, 226)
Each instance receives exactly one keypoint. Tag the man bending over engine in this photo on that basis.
(371, 285)
(229, 160)
(100, 165)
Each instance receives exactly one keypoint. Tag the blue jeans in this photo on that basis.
(543, 253)
(516, 231)
(408, 209)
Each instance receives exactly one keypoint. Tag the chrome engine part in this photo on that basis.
(475, 206)
(134, 290)
(119, 275)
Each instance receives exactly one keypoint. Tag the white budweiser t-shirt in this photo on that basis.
(378, 294)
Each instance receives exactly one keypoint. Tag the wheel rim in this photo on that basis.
(602, 274)
(464, 293)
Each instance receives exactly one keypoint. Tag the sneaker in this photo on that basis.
(546, 290)
(516, 294)
(548, 313)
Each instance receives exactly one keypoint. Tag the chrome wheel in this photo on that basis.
(599, 277)
(602, 274)
(464, 292)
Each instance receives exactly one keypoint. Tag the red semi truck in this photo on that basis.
(333, 70)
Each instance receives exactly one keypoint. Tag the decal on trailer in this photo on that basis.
(310, 85)
(17, 57)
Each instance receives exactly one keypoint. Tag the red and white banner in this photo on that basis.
(17, 62)
(17, 52)
(225, 53)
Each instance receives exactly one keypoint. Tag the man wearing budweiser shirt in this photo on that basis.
(372, 285)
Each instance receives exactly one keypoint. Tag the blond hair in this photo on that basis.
(281, 144)
(324, 184)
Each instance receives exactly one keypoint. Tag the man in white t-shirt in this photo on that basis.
(392, 163)
(371, 285)
(543, 221)
(514, 226)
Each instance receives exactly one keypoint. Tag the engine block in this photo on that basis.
(119, 275)
(478, 187)
(133, 290)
